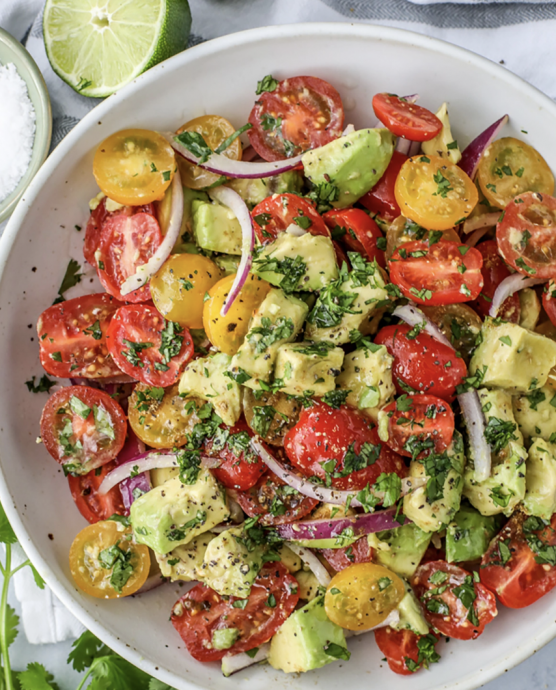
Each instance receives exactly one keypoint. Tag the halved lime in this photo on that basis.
(98, 46)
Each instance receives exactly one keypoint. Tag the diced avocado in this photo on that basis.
(300, 643)
(353, 163)
(185, 243)
(348, 304)
(308, 366)
(443, 144)
(535, 413)
(296, 263)
(540, 493)
(278, 320)
(400, 549)
(216, 228)
(229, 566)
(308, 584)
(289, 559)
(469, 534)
(530, 308)
(185, 562)
(227, 263)
(499, 414)
(224, 638)
(512, 357)
(175, 513)
(163, 474)
(411, 614)
(432, 507)
(205, 378)
(367, 374)
(255, 191)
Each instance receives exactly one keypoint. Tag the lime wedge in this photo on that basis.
(98, 46)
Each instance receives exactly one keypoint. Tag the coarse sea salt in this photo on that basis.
(17, 129)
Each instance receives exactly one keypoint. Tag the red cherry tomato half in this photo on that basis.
(494, 271)
(404, 649)
(92, 505)
(201, 611)
(444, 273)
(382, 198)
(453, 602)
(549, 301)
(82, 428)
(341, 256)
(421, 362)
(299, 114)
(340, 559)
(147, 347)
(327, 444)
(512, 570)
(419, 425)
(72, 337)
(406, 119)
(278, 212)
(126, 242)
(361, 232)
(240, 467)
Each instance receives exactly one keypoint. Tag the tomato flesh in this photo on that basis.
(494, 271)
(361, 233)
(403, 649)
(549, 301)
(92, 505)
(405, 119)
(381, 199)
(358, 552)
(278, 212)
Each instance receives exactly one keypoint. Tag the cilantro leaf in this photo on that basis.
(7, 535)
(114, 673)
(85, 650)
(12, 621)
(71, 278)
(43, 386)
(36, 677)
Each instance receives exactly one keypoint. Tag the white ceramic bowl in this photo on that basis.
(220, 77)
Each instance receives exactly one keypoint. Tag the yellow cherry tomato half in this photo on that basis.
(214, 130)
(134, 166)
(179, 288)
(362, 596)
(106, 563)
(434, 192)
(227, 333)
(510, 167)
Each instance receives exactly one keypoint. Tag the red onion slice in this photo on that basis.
(232, 663)
(403, 146)
(132, 487)
(144, 272)
(476, 236)
(414, 149)
(472, 154)
(413, 316)
(142, 463)
(486, 220)
(227, 197)
(508, 286)
(310, 560)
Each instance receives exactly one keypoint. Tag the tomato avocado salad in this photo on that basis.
(317, 380)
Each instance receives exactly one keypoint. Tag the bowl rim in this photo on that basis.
(219, 45)
(43, 113)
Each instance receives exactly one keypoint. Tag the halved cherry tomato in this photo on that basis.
(444, 273)
(549, 301)
(406, 119)
(126, 242)
(405, 230)
(274, 501)
(240, 467)
(512, 570)
(201, 611)
(278, 212)
(405, 651)
(296, 115)
(494, 271)
(526, 235)
(459, 323)
(82, 428)
(339, 445)
(72, 337)
(358, 552)
(453, 602)
(419, 425)
(382, 197)
(146, 346)
(435, 193)
(421, 363)
(341, 256)
(361, 232)
(92, 505)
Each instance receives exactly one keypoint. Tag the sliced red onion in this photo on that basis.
(133, 487)
(210, 463)
(144, 272)
(486, 220)
(414, 149)
(364, 523)
(472, 154)
(312, 561)
(413, 316)
(295, 230)
(150, 460)
(403, 146)
(508, 286)
(103, 383)
(232, 663)
(221, 165)
(249, 154)
(393, 618)
(476, 236)
(227, 197)
(350, 129)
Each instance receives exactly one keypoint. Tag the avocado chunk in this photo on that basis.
(308, 366)
(469, 534)
(512, 357)
(443, 144)
(255, 191)
(400, 549)
(411, 614)
(227, 263)
(540, 491)
(295, 263)
(175, 513)
(367, 375)
(278, 320)
(348, 304)
(308, 585)
(229, 566)
(535, 413)
(300, 643)
(530, 308)
(185, 562)
(185, 243)
(224, 638)
(205, 378)
(497, 406)
(431, 507)
(353, 163)
(215, 227)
